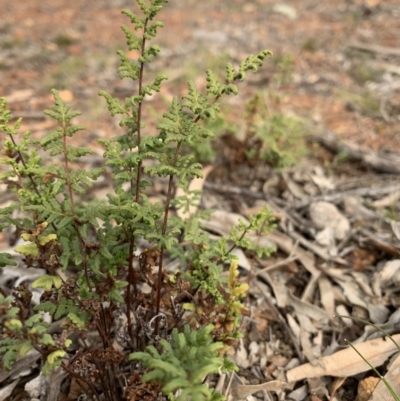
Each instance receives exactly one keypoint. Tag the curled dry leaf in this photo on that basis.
(325, 214)
(388, 200)
(347, 362)
(277, 280)
(323, 182)
(389, 275)
(294, 188)
(6, 391)
(353, 206)
(286, 244)
(342, 311)
(327, 296)
(310, 310)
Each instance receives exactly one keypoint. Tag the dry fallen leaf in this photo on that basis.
(387, 201)
(327, 296)
(347, 362)
(240, 392)
(387, 276)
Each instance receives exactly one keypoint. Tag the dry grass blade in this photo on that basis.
(395, 396)
(381, 392)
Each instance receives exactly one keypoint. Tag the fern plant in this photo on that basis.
(94, 272)
(184, 362)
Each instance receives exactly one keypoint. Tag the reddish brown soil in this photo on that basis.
(71, 45)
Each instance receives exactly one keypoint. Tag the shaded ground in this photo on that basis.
(322, 70)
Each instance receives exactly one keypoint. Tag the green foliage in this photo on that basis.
(21, 335)
(63, 40)
(184, 362)
(283, 140)
(280, 137)
(95, 243)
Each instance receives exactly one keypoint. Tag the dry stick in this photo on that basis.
(228, 387)
(294, 218)
(2, 292)
(394, 51)
(337, 196)
(384, 162)
(290, 258)
(317, 249)
(333, 197)
(285, 325)
(229, 189)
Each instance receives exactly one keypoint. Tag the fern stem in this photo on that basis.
(82, 244)
(131, 281)
(131, 273)
(66, 169)
(164, 230)
(139, 117)
(21, 157)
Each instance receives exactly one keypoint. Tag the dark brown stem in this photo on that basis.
(66, 169)
(78, 379)
(105, 326)
(103, 335)
(131, 280)
(234, 245)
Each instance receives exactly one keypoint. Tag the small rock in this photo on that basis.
(286, 10)
(366, 387)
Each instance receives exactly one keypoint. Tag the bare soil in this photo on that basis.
(336, 64)
(71, 46)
